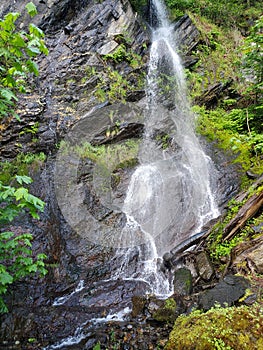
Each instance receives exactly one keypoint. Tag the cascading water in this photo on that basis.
(170, 195)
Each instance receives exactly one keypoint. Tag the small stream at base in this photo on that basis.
(170, 196)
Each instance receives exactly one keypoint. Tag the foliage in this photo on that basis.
(23, 164)
(138, 5)
(230, 130)
(18, 49)
(117, 90)
(252, 60)
(108, 156)
(16, 250)
(219, 328)
(124, 53)
(218, 249)
(166, 312)
(222, 12)
(117, 87)
(97, 347)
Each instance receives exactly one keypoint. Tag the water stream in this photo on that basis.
(170, 194)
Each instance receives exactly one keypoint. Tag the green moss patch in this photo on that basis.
(219, 328)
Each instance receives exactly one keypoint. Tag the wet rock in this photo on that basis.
(211, 97)
(183, 283)
(188, 260)
(225, 293)
(76, 31)
(189, 61)
(167, 263)
(204, 266)
(187, 35)
(138, 305)
(153, 305)
(167, 312)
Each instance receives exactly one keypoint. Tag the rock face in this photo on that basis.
(187, 34)
(79, 35)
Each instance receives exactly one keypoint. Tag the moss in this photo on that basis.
(167, 312)
(23, 164)
(220, 328)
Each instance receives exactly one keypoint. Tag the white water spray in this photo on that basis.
(169, 196)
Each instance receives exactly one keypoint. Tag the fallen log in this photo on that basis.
(243, 195)
(246, 212)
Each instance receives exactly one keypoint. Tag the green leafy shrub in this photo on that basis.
(231, 131)
(17, 52)
(16, 250)
(222, 12)
(117, 90)
(220, 328)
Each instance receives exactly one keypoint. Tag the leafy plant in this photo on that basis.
(231, 131)
(23, 164)
(252, 60)
(32, 129)
(118, 87)
(16, 255)
(18, 50)
(222, 12)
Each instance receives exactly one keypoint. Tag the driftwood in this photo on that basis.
(246, 212)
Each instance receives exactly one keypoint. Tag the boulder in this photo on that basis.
(204, 266)
(183, 283)
(167, 312)
(226, 293)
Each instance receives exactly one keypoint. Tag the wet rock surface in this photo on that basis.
(63, 93)
(225, 293)
(183, 284)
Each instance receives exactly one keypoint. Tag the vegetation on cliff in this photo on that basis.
(229, 57)
(17, 51)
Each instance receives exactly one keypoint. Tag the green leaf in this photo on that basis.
(33, 29)
(23, 179)
(3, 308)
(33, 67)
(31, 9)
(8, 94)
(5, 277)
(32, 51)
(21, 193)
(6, 235)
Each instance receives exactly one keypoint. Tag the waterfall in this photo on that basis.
(170, 195)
